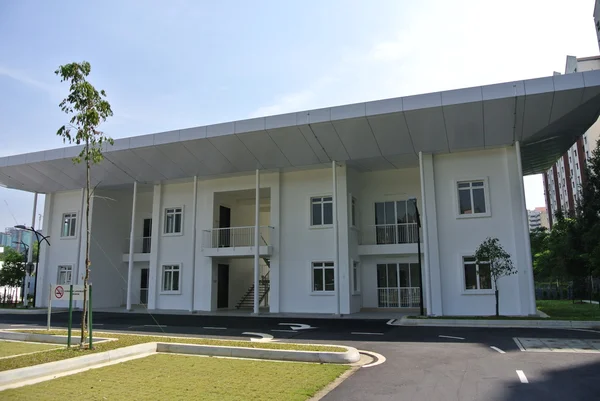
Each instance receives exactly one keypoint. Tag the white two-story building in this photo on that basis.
(175, 214)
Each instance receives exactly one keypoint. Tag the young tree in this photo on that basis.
(12, 273)
(89, 109)
(491, 252)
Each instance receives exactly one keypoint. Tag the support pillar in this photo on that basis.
(194, 211)
(131, 248)
(257, 245)
(30, 251)
(336, 258)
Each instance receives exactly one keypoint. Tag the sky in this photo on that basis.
(176, 64)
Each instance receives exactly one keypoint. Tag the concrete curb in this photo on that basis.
(51, 368)
(541, 324)
(16, 311)
(350, 356)
(42, 338)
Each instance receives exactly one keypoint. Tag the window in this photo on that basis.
(64, 274)
(472, 198)
(477, 276)
(355, 277)
(353, 211)
(173, 217)
(321, 211)
(323, 276)
(170, 278)
(395, 222)
(398, 285)
(69, 225)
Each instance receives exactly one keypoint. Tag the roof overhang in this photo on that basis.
(546, 115)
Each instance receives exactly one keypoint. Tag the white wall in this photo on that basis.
(63, 251)
(111, 225)
(459, 237)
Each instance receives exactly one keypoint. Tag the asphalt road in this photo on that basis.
(422, 363)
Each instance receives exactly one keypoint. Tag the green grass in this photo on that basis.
(9, 348)
(177, 377)
(567, 310)
(125, 340)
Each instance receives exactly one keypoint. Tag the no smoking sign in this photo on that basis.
(59, 292)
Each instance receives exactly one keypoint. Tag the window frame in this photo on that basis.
(355, 281)
(310, 211)
(353, 212)
(463, 284)
(58, 271)
(162, 278)
(486, 197)
(73, 216)
(312, 277)
(164, 221)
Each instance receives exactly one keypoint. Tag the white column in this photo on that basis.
(30, 250)
(44, 280)
(525, 220)
(154, 268)
(257, 244)
(78, 277)
(194, 208)
(336, 245)
(131, 248)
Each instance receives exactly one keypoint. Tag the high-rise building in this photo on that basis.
(562, 182)
(15, 238)
(538, 217)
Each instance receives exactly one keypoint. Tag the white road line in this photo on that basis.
(98, 324)
(17, 325)
(391, 322)
(452, 337)
(518, 344)
(522, 376)
(155, 325)
(366, 334)
(586, 330)
(379, 358)
(264, 338)
(284, 331)
(497, 349)
(215, 328)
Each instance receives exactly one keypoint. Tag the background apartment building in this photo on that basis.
(562, 182)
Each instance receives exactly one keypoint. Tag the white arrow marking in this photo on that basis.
(298, 326)
(264, 338)
(452, 337)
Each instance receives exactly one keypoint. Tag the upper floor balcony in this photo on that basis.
(389, 239)
(236, 241)
(141, 249)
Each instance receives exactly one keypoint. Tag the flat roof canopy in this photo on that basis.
(546, 115)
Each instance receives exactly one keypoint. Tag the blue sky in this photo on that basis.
(176, 64)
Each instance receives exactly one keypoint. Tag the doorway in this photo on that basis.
(146, 236)
(144, 286)
(224, 225)
(398, 285)
(223, 286)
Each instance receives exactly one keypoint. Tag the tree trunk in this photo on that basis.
(87, 247)
(497, 305)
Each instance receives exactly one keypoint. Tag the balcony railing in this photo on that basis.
(398, 297)
(140, 245)
(233, 237)
(382, 234)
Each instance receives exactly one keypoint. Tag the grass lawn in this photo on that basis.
(178, 377)
(567, 310)
(124, 340)
(9, 348)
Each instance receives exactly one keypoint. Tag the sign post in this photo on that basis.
(70, 315)
(49, 305)
(90, 314)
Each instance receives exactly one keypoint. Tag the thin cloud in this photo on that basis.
(25, 79)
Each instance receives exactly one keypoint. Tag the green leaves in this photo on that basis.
(89, 109)
(492, 252)
(13, 269)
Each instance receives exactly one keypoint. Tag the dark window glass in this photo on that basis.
(392, 275)
(381, 276)
(329, 280)
(485, 278)
(415, 276)
(464, 198)
(404, 275)
(479, 200)
(470, 276)
(316, 214)
(328, 213)
(317, 279)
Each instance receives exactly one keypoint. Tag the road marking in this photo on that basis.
(522, 376)
(298, 326)
(98, 324)
(284, 331)
(518, 344)
(366, 334)
(215, 328)
(497, 349)
(452, 337)
(264, 338)
(17, 325)
(391, 322)
(380, 359)
(586, 330)
(155, 325)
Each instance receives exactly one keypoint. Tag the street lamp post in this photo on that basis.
(414, 200)
(39, 238)
(27, 272)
